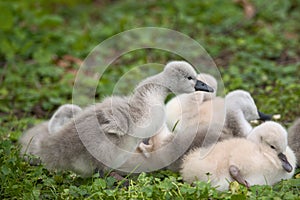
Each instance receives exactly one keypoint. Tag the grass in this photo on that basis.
(41, 47)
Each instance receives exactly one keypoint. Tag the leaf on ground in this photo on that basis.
(234, 187)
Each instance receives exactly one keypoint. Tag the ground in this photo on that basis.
(255, 45)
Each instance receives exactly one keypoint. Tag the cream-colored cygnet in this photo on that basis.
(262, 158)
(216, 119)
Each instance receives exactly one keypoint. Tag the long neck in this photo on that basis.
(235, 121)
(147, 108)
(148, 94)
(152, 86)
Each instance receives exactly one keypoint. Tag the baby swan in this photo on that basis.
(294, 139)
(104, 135)
(262, 158)
(217, 120)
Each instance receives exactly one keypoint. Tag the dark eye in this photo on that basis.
(190, 78)
(272, 147)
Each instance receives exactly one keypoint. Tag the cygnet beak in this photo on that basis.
(146, 141)
(200, 86)
(285, 163)
(264, 117)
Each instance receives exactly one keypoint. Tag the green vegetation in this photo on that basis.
(43, 42)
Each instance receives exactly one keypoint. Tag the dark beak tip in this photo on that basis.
(285, 163)
(200, 86)
(146, 141)
(287, 167)
(207, 89)
(264, 117)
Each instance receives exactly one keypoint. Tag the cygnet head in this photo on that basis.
(180, 77)
(242, 100)
(273, 136)
(212, 82)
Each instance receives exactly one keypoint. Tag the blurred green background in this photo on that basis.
(255, 44)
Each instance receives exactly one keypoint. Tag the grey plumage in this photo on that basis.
(63, 115)
(30, 141)
(294, 139)
(101, 135)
